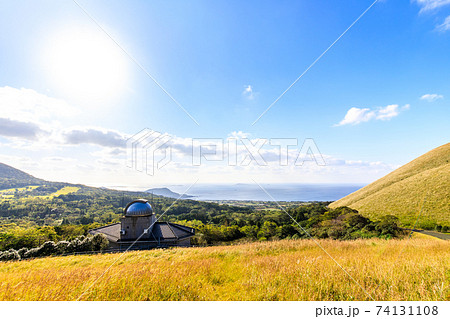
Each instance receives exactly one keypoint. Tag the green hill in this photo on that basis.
(401, 193)
(11, 177)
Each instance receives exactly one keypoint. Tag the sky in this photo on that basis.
(239, 91)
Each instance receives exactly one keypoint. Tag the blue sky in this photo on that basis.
(70, 96)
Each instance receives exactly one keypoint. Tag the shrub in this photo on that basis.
(356, 221)
(96, 243)
(444, 229)
(336, 232)
(99, 242)
(199, 240)
(330, 228)
(319, 232)
(22, 252)
(9, 255)
(85, 245)
(74, 246)
(429, 225)
(47, 249)
(61, 247)
(388, 226)
(31, 253)
(343, 210)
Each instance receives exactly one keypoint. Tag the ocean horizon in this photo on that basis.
(279, 192)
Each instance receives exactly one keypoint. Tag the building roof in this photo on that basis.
(160, 232)
(166, 231)
(112, 232)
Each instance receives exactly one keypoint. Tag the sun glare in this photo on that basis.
(86, 65)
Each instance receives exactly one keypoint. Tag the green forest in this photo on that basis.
(31, 216)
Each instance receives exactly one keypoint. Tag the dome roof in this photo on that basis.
(140, 207)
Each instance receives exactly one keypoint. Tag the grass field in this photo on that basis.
(63, 191)
(9, 193)
(282, 270)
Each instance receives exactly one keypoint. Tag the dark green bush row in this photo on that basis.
(97, 242)
(340, 223)
(443, 229)
(16, 238)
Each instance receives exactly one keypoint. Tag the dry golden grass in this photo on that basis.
(423, 236)
(282, 270)
(402, 192)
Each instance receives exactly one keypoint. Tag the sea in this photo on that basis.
(268, 192)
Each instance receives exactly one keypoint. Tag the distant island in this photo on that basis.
(164, 191)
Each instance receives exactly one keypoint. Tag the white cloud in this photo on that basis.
(95, 136)
(431, 97)
(57, 159)
(359, 115)
(248, 92)
(106, 164)
(356, 115)
(445, 26)
(29, 105)
(13, 128)
(32, 121)
(430, 5)
(20, 162)
(388, 112)
(110, 156)
(27, 115)
(238, 135)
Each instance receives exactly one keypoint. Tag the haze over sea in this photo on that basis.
(279, 192)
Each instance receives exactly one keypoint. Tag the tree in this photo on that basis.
(99, 242)
(388, 225)
(268, 230)
(356, 221)
(288, 230)
(250, 231)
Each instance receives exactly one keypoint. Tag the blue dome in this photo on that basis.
(140, 207)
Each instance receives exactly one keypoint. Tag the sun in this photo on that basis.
(86, 64)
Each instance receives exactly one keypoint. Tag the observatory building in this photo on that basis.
(139, 225)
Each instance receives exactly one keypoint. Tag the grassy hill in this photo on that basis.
(278, 270)
(11, 177)
(401, 193)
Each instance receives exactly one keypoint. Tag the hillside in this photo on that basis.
(11, 177)
(164, 191)
(29, 202)
(402, 192)
(277, 270)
